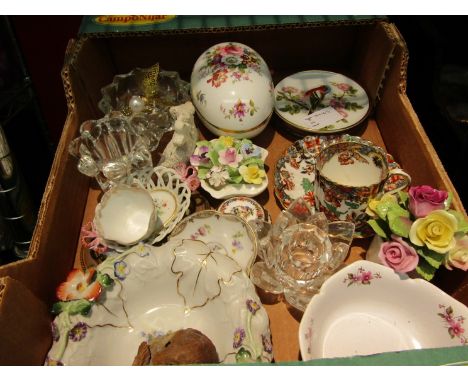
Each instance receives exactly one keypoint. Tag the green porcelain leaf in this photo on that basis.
(391, 206)
(214, 157)
(377, 226)
(425, 270)
(234, 175)
(72, 307)
(256, 161)
(462, 223)
(448, 201)
(105, 280)
(202, 172)
(399, 225)
(403, 198)
(203, 143)
(433, 258)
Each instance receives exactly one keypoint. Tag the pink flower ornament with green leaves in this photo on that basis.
(420, 222)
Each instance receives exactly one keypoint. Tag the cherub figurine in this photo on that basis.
(185, 136)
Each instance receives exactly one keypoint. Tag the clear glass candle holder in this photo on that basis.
(111, 151)
(299, 252)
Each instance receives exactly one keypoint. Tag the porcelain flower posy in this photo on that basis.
(420, 231)
(228, 160)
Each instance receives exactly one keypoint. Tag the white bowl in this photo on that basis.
(232, 90)
(126, 215)
(367, 308)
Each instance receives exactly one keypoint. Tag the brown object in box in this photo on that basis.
(371, 52)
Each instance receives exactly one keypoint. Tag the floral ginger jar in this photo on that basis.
(232, 90)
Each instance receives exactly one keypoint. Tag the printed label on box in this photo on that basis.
(321, 118)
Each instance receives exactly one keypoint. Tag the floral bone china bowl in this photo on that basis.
(230, 167)
(232, 90)
(376, 310)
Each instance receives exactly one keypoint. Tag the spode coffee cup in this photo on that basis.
(349, 174)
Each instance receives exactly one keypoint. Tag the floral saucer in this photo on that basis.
(228, 233)
(106, 312)
(295, 170)
(246, 208)
(376, 310)
(316, 101)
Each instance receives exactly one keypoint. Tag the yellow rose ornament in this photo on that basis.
(436, 231)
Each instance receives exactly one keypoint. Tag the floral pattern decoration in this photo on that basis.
(91, 240)
(249, 349)
(230, 61)
(239, 110)
(455, 323)
(78, 332)
(201, 231)
(361, 277)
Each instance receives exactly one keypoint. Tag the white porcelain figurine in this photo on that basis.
(185, 136)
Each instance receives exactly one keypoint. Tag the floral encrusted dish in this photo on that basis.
(105, 312)
(375, 310)
(316, 101)
(230, 167)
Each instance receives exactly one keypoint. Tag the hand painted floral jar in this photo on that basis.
(232, 90)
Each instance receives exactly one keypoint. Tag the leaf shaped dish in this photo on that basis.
(146, 299)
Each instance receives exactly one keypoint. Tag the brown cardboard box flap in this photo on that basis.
(24, 325)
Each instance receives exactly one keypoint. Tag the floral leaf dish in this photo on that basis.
(376, 310)
(227, 233)
(137, 295)
(229, 167)
(310, 93)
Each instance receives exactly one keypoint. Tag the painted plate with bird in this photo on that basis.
(316, 101)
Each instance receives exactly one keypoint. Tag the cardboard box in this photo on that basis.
(370, 51)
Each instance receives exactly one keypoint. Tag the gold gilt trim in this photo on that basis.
(180, 275)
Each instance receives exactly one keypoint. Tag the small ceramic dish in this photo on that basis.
(126, 215)
(229, 190)
(246, 208)
(316, 101)
(376, 310)
(146, 292)
(171, 197)
(295, 170)
(229, 232)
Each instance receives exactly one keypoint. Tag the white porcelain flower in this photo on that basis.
(217, 176)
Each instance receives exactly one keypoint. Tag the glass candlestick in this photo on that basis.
(299, 252)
